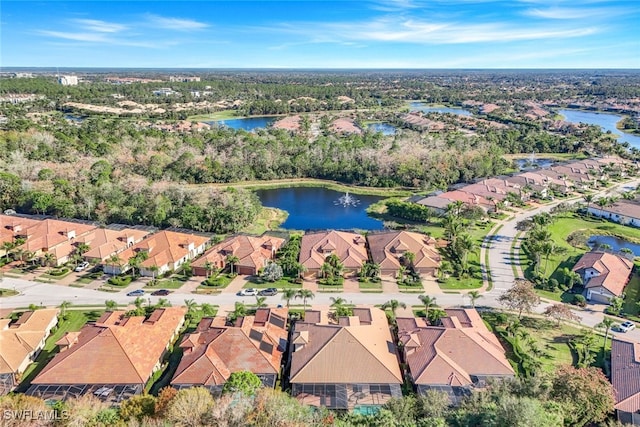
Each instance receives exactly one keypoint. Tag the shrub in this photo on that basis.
(579, 300)
(120, 281)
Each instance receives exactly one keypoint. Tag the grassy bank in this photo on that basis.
(268, 219)
(218, 115)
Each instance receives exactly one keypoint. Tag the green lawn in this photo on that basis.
(174, 282)
(207, 290)
(55, 277)
(283, 283)
(632, 292)
(221, 281)
(456, 283)
(7, 292)
(75, 322)
(552, 340)
(267, 219)
(370, 287)
(555, 296)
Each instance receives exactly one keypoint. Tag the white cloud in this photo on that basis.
(434, 33)
(176, 23)
(573, 13)
(83, 37)
(100, 26)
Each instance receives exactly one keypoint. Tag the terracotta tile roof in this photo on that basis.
(468, 198)
(349, 247)
(334, 354)
(164, 247)
(625, 374)
(251, 251)
(48, 235)
(615, 271)
(115, 350)
(388, 247)
(213, 352)
(105, 242)
(20, 339)
(454, 353)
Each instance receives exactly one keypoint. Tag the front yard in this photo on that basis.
(283, 283)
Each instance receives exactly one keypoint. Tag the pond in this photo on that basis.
(317, 208)
(246, 123)
(75, 118)
(426, 108)
(606, 121)
(529, 164)
(384, 128)
(615, 243)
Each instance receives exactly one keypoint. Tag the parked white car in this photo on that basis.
(82, 266)
(626, 326)
(249, 292)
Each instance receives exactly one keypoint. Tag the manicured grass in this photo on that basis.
(419, 289)
(7, 292)
(632, 292)
(458, 283)
(171, 283)
(219, 115)
(370, 285)
(330, 289)
(220, 281)
(55, 277)
(267, 219)
(75, 322)
(283, 283)
(556, 296)
(207, 290)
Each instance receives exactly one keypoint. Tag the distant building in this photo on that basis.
(184, 79)
(68, 80)
(625, 212)
(164, 91)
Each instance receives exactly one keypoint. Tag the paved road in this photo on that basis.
(499, 266)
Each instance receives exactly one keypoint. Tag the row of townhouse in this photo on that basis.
(563, 178)
(54, 242)
(335, 362)
(626, 212)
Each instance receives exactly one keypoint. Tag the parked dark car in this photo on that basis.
(160, 292)
(268, 292)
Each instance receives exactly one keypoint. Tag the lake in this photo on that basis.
(606, 121)
(525, 164)
(615, 243)
(385, 128)
(314, 208)
(426, 108)
(246, 123)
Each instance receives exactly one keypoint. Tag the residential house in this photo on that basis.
(316, 247)
(503, 185)
(531, 184)
(388, 248)
(112, 358)
(13, 228)
(214, 351)
(604, 275)
(21, 342)
(105, 242)
(253, 254)
(436, 203)
(344, 363)
(47, 236)
(625, 212)
(459, 355)
(625, 378)
(165, 251)
(470, 199)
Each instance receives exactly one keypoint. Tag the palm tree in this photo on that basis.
(393, 305)
(153, 269)
(428, 302)
(305, 294)
(337, 301)
(163, 302)
(49, 259)
(111, 305)
(326, 270)
(134, 262)
(114, 261)
(63, 307)
(606, 324)
(82, 248)
(138, 302)
(7, 246)
(589, 198)
(409, 259)
(402, 270)
(465, 244)
(299, 269)
(18, 254)
(288, 294)
(232, 260)
(207, 309)
(261, 302)
(473, 297)
(208, 267)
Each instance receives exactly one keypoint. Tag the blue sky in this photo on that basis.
(322, 34)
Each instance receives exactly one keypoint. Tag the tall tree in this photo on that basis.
(393, 305)
(560, 312)
(288, 294)
(429, 303)
(520, 297)
(606, 324)
(473, 297)
(305, 294)
(231, 260)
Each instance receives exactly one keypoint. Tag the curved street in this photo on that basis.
(498, 245)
